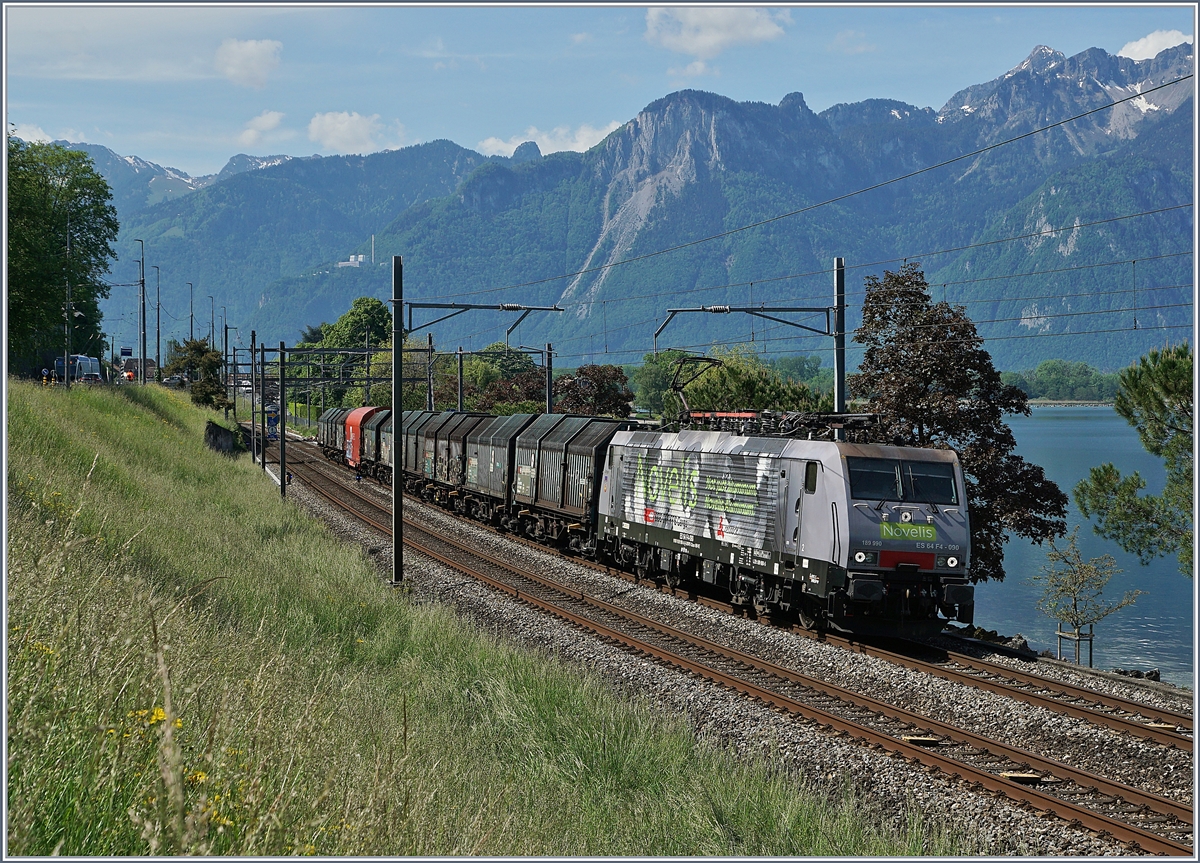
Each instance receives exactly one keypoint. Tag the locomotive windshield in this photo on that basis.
(901, 479)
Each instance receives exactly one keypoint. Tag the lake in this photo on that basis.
(1157, 630)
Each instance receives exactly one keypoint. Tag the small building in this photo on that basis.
(355, 261)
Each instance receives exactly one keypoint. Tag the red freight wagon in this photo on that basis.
(354, 434)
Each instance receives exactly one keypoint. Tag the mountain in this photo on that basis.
(694, 165)
(137, 184)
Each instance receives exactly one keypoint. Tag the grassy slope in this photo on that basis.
(195, 666)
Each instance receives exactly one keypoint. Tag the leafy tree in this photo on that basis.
(55, 197)
(479, 374)
(508, 362)
(593, 391)
(805, 368)
(744, 382)
(203, 362)
(652, 380)
(1155, 396)
(350, 330)
(926, 373)
(1064, 381)
(527, 387)
(1071, 588)
(312, 336)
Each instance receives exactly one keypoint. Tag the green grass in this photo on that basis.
(197, 667)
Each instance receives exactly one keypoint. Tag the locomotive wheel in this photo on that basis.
(806, 616)
(672, 579)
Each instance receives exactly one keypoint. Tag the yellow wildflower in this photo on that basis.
(198, 777)
(158, 715)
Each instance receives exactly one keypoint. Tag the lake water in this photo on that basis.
(1155, 632)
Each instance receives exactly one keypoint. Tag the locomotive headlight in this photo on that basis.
(952, 562)
(940, 563)
(868, 557)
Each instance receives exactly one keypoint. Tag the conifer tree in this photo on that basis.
(1155, 397)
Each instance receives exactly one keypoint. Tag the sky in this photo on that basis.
(190, 86)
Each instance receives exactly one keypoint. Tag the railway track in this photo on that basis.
(1147, 821)
(1155, 724)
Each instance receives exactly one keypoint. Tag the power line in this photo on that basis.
(826, 202)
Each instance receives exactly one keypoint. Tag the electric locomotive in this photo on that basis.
(862, 538)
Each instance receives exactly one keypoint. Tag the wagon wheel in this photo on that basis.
(672, 579)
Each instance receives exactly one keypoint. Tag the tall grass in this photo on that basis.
(196, 667)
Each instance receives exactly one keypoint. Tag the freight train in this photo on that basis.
(866, 539)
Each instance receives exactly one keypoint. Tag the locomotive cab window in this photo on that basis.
(930, 482)
(874, 479)
(896, 479)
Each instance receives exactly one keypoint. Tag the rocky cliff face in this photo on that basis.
(1048, 87)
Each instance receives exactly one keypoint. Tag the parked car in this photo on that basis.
(173, 381)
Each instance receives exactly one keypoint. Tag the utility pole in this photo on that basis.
(225, 359)
(367, 388)
(429, 377)
(157, 322)
(253, 382)
(460, 378)
(212, 322)
(262, 405)
(839, 341)
(142, 317)
(549, 379)
(191, 315)
(282, 426)
(234, 363)
(68, 318)
(225, 354)
(397, 420)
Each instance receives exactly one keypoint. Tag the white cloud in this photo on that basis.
(559, 138)
(704, 33)
(850, 42)
(248, 62)
(30, 133)
(345, 132)
(267, 121)
(581, 37)
(691, 70)
(1149, 46)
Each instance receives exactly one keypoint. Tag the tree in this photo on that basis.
(506, 361)
(1071, 588)
(55, 194)
(593, 391)
(526, 388)
(652, 380)
(203, 363)
(927, 375)
(366, 314)
(1155, 396)
(311, 336)
(744, 382)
